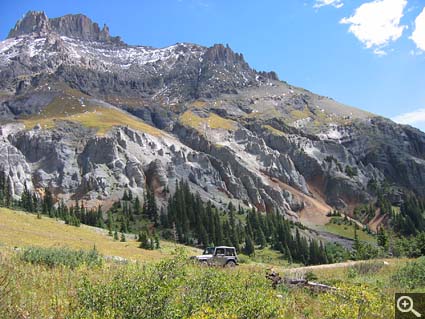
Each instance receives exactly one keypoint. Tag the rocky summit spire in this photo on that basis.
(76, 26)
(32, 22)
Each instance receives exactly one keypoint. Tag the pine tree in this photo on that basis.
(136, 206)
(152, 209)
(47, 202)
(35, 202)
(382, 239)
(7, 192)
(356, 244)
(261, 239)
(151, 243)
(2, 186)
(145, 204)
(203, 236)
(157, 245)
(122, 237)
(99, 217)
(109, 221)
(163, 218)
(288, 254)
(26, 199)
(249, 246)
(144, 240)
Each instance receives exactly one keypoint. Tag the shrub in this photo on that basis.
(367, 251)
(351, 171)
(354, 302)
(412, 275)
(310, 276)
(175, 289)
(351, 273)
(5, 286)
(135, 292)
(53, 257)
(366, 268)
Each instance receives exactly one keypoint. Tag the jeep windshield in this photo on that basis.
(209, 251)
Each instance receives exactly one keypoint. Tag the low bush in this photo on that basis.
(53, 257)
(368, 267)
(5, 286)
(355, 302)
(176, 289)
(412, 275)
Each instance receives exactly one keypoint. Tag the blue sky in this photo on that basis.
(368, 54)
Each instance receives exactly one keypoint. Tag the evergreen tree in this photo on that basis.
(7, 192)
(144, 240)
(288, 254)
(122, 237)
(145, 204)
(99, 218)
(137, 209)
(356, 244)
(261, 239)
(26, 199)
(152, 209)
(47, 202)
(163, 218)
(249, 246)
(109, 222)
(157, 245)
(35, 202)
(382, 239)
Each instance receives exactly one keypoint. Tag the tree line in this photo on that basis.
(185, 219)
(189, 220)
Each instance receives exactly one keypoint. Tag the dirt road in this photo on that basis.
(331, 266)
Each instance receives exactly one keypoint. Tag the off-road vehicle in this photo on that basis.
(219, 256)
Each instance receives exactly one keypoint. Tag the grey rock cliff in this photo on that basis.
(76, 26)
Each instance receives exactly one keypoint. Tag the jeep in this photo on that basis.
(219, 256)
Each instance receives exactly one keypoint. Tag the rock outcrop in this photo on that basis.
(76, 26)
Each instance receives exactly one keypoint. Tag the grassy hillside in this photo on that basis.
(213, 121)
(347, 231)
(86, 112)
(169, 285)
(176, 288)
(22, 229)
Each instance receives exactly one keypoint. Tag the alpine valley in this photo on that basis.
(89, 117)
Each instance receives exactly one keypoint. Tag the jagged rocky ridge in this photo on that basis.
(285, 144)
(72, 25)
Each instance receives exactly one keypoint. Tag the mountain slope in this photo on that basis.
(88, 116)
(49, 232)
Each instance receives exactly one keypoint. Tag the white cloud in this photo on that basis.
(377, 23)
(334, 3)
(414, 117)
(379, 52)
(418, 35)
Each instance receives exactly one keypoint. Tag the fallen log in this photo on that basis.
(276, 280)
(310, 284)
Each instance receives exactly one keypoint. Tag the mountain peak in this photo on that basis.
(32, 22)
(76, 26)
(221, 54)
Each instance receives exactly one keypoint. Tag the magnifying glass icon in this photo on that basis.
(405, 304)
